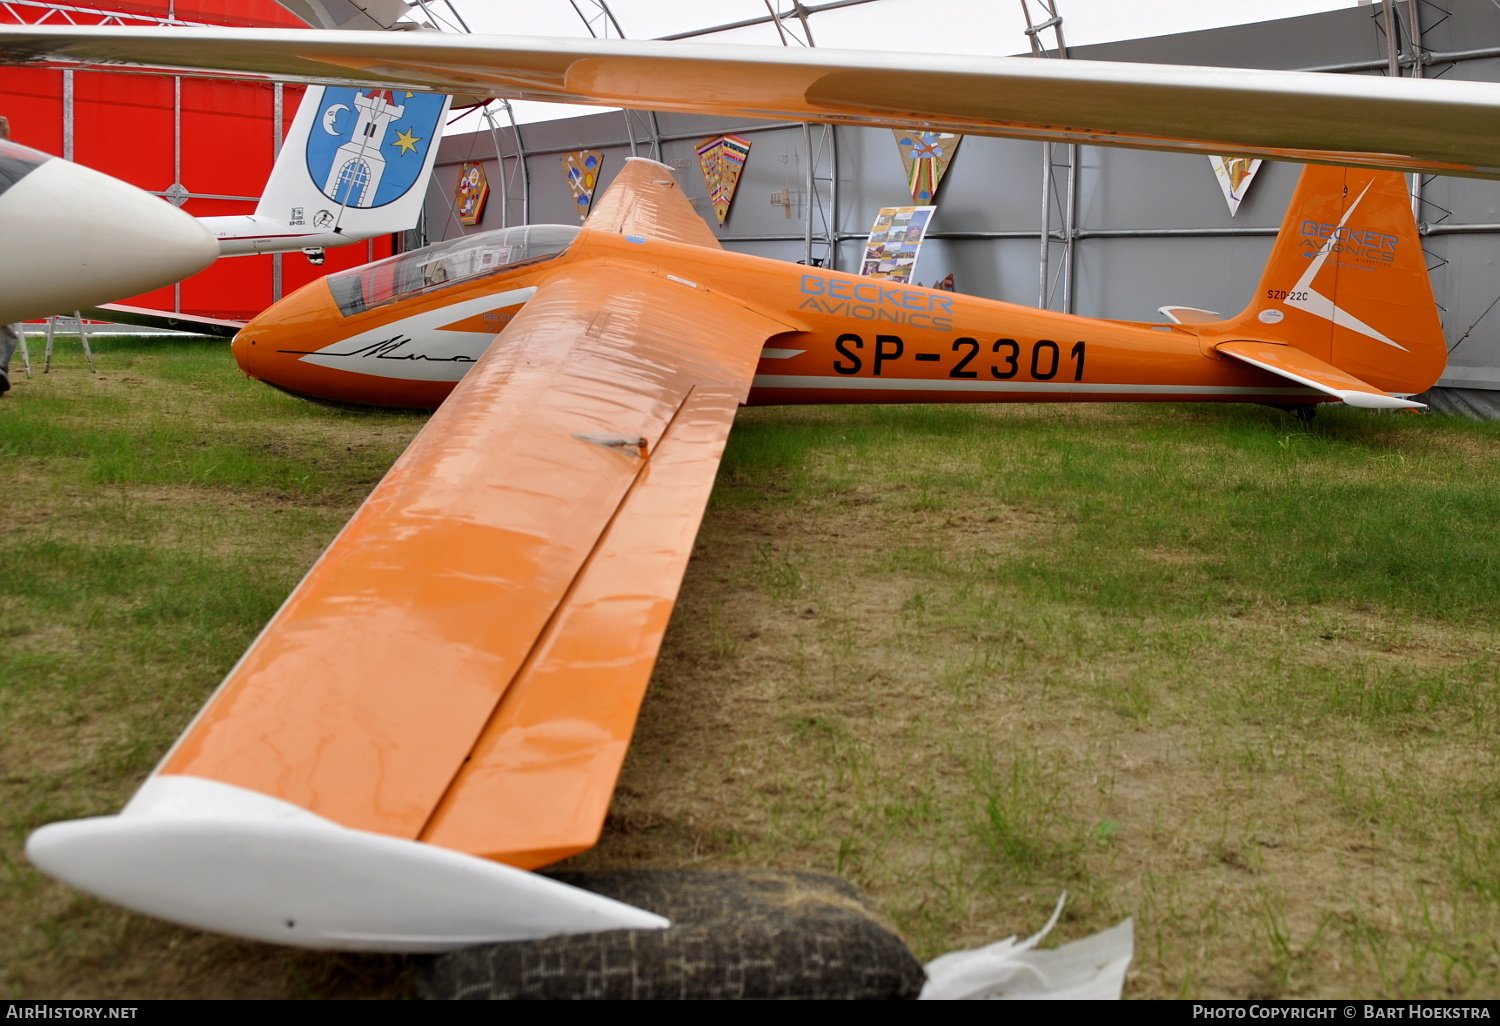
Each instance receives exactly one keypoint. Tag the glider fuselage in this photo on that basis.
(849, 339)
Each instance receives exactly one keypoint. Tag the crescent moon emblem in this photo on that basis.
(331, 115)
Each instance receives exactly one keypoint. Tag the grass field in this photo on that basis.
(1205, 666)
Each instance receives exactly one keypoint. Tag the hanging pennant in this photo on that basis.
(722, 160)
(1234, 174)
(473, 193)
(582, 170)
(926, 156)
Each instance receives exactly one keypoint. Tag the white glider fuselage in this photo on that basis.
(74, 237)
(252, 234)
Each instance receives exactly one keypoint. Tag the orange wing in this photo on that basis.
(371, 687)
(465, 663)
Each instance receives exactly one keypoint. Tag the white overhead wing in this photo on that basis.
(1402, 124)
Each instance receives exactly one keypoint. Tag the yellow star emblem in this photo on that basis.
(407, 141)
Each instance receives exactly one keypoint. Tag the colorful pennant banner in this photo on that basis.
(473, 193)
(926, 156)
(582, 170)
(722, 160)
(1235, 175)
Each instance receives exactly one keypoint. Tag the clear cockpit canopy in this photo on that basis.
(17, 161)
(444, 264)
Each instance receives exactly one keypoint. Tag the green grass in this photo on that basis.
(157, 513)
(1202, 665)
(1205, 665)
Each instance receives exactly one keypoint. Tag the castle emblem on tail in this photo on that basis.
(370, 145)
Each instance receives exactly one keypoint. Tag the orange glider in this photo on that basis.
(447, 698)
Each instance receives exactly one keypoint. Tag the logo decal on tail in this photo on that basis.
(1303, 297)
(370, 145)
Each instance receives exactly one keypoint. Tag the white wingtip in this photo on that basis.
(220, 858)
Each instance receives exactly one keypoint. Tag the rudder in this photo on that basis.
(355, 161)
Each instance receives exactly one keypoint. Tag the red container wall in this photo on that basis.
(124, 125)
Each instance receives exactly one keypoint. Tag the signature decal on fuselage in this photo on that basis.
(421, 346)
(389, 349)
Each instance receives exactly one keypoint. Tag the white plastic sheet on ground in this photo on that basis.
(1089, 969)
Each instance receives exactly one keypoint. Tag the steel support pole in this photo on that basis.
(807, 201)
(1392, 52)
(1069, 227)
(1414, 39)
(177, 168)
(67, 125)
(833, 197)
(1046, 225)
(278, 112)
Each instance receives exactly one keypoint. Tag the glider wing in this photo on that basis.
(1452, 127)
(464, 665)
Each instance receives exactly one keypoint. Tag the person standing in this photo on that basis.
(10, 334)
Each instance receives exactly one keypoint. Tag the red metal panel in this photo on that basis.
(252, 13)
(32, 100)
(123, 126)
(227, 139)
(234, 289)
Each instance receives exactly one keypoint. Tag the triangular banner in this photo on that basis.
(926, 156)
(722, 159)
(1235, 174)
(582, 170)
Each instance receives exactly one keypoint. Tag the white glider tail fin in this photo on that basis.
(356, 161)
(354, 166)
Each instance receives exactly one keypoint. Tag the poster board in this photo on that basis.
(895, 242)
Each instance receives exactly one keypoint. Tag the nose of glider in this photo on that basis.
(269, 347)
(75, 238)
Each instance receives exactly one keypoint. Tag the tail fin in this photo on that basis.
(356, 162)
(1347, 282)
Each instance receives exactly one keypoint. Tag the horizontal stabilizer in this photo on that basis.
(1295, 365)
(1189, 315)
(114, 313)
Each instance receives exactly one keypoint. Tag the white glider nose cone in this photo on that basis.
(72, 237)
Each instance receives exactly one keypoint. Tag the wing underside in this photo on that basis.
(460, 673)
(1452, 127)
